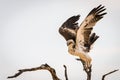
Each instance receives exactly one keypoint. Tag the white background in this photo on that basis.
(29, 37)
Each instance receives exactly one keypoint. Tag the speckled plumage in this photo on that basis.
(79, 38)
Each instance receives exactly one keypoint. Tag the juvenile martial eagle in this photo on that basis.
(79, 38)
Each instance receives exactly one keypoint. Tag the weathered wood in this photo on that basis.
(42, 67)
(66, 77)
(87, 70)
(103, 77)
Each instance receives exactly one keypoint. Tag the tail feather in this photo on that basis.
(93, 38)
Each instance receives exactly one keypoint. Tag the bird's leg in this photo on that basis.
(83, 56)
(88, 70)
(86, 60)
(88, 64)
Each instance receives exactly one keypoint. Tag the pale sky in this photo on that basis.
(29, 37)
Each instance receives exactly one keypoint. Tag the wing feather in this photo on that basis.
(84, 31)
(69, 28)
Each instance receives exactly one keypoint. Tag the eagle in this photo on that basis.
(80, 38)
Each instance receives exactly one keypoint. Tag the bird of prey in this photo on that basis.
(80, 38)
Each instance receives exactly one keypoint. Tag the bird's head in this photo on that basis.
(70, 41)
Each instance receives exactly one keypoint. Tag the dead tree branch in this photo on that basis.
(88, 70)
(66, 77)
(42, 67)
(103, 77)
(53, 72)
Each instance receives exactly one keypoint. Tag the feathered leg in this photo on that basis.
(83, 56)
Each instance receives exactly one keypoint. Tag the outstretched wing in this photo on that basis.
(69, 28)
(83, 34)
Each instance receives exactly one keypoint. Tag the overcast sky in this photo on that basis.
(29, 37)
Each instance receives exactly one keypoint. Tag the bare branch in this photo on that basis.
(88, 70)
(42, 67)
(66, 77)
(103, 77)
